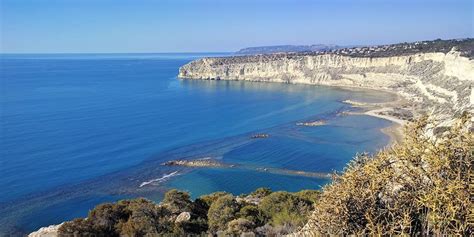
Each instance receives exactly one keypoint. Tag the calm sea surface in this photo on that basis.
(78, 130)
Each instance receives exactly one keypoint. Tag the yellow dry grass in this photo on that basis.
(419, 187)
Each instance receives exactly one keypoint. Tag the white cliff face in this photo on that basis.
(431, 81)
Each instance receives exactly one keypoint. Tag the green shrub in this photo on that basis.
(79, 227)
(261, 192)
(252, 213)
(222, 211)
(192, 227)
(238, 226)
(177, 201)
(210, 198)
(310, 195)
(113, 219)
(210, 213)
(283, 208)
(202, 204)
(146, 218)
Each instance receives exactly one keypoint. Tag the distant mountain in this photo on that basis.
(288, 48)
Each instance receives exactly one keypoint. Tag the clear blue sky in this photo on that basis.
(81, 26)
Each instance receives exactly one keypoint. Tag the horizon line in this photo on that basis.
(345, 46)
(24, 53)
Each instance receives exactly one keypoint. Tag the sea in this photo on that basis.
(77, 130)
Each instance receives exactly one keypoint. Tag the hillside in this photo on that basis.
(465, 46)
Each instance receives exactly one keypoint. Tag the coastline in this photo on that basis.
(395, 131)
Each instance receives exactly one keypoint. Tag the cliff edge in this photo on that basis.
(436, 83)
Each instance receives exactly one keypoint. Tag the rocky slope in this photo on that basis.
(49, 231)
(439, 83)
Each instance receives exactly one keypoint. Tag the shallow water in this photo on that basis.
(78, 130)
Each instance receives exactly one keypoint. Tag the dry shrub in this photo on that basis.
(420, 187)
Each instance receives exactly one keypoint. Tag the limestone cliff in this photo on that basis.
(428, 81)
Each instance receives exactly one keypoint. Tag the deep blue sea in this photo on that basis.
(80, 129)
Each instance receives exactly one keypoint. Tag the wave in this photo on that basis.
(159, 180)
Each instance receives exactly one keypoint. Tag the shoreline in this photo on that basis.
(395, 131)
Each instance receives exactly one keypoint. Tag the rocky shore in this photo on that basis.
(49, 231)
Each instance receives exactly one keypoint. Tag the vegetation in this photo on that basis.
(464, 46)
(262, 213)
(419, 188)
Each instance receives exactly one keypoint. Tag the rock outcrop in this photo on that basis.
(440, 83)
(49, 231)
(182, 217)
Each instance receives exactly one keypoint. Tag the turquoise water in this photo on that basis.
(78, 130)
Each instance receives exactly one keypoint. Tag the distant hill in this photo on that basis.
(289, 48)
(464, 46)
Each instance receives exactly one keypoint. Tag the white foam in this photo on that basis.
(159, 180)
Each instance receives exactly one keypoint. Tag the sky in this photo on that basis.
(153, 26)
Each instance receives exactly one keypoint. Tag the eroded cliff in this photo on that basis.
(430, 82)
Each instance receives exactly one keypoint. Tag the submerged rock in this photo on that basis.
(260, 135)
(313, 123)
(203, 162)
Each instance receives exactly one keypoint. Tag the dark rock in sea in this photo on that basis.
(260, 135)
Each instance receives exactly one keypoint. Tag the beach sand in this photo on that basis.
(396, 130)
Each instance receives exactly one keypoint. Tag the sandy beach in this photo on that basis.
(379, 110)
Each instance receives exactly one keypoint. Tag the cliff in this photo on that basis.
(429, 82)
